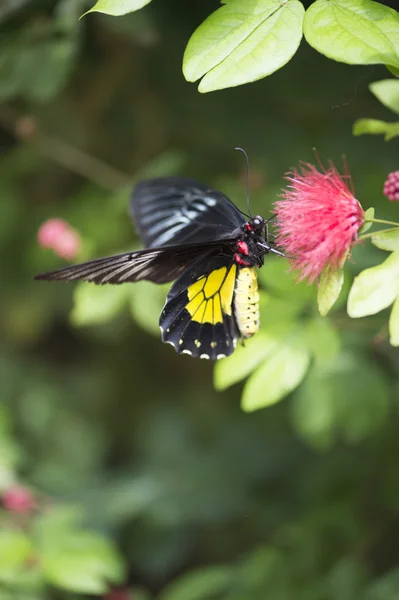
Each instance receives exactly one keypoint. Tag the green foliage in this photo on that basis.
(242, 42)
(57, 551)
(387, 92)
(177, 490)
(118, 7)
(320, 408)
(15, 550)
(97, 304)
(200, 585)
(368, 220)
(376, 127)
(358, 32)
(386, 240)
(37, 62)
(245, 40)
(375, 289)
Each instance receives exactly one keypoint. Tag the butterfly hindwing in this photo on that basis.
(172, 210)
(198, 317)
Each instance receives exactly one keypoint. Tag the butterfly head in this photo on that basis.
(255, 225)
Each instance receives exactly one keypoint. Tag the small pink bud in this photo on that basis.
(391, 186)
(18, 500)
(67, 245)
(58, 235)
(50, 231)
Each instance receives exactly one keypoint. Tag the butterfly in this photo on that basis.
(195, 236)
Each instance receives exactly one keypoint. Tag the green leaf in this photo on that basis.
(313, 408)
(323, 340)
(97, 304)
(368, 217)
(243, 42)
(374, 289)
(387, 92)
(210, 582)
(117, 7)
(331, 282)
(281, 372)
(386, 240)
(375, 127)
(351, 396)
(82, 562)
(146, 304)
(394, 324)
(358, 32)
(15, 549)
(244, 360)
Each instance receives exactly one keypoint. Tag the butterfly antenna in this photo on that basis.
(246, 176)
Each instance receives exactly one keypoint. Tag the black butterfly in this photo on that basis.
(196, 236)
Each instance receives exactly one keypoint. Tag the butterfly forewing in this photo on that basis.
(172, 210)
(157, 265)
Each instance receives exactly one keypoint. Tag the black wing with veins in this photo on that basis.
(158, 265)
(172, 210)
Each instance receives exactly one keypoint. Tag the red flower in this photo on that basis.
(58, 235)
(318, 219)
(391, 186)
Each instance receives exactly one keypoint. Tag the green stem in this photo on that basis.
(382, 221)
(367, 236)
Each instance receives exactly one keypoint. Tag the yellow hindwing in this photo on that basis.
(211, 296)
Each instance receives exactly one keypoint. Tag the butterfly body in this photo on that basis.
(196, 237)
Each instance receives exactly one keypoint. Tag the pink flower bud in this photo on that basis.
(67, 245)
(391, 186)
(58, 235)
(18, 500)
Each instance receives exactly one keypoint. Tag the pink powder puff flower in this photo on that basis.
(391, 186)
(58, 235)
(18, 500)
(318, 220)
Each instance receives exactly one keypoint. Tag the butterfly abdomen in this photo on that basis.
(246, 302)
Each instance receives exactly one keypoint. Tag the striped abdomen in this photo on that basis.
(246, 302)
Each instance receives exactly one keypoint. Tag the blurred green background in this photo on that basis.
(147, 482)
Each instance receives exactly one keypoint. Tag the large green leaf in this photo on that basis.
(117, 7)
(359, 32)
(281, 372)
(78, 560)
(242, 42)
(244, 360)
(387, 92)
(374, 289)
(351, 396)
(97, 304)
(323, 340)
(146, 303)
(376, 127)
(15, 549)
